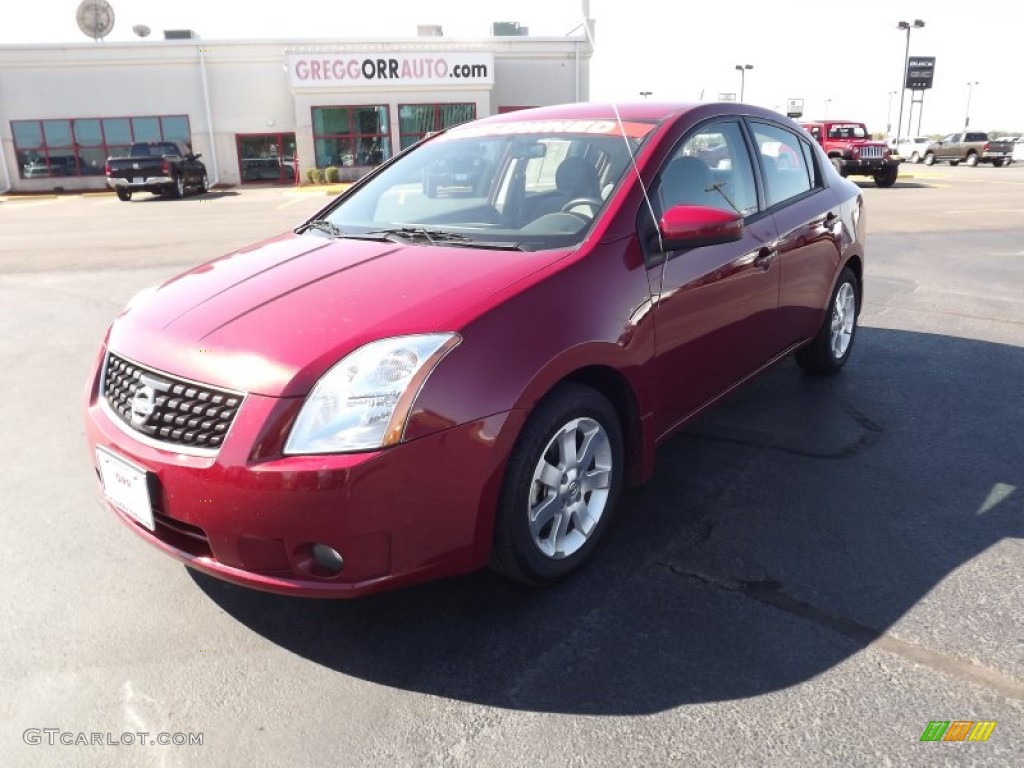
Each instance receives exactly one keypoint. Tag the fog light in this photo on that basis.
(327, 558)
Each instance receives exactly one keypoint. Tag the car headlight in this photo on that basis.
(363, 402)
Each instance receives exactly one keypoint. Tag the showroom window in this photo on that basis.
(417, 120)
(351, 136)
(80, 147)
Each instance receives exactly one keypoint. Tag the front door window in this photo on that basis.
(268, 157)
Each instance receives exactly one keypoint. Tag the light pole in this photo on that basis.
(645, 94)
(916, 24)
(743, 77)
(888, 117)
(828, 101)
(967, 114)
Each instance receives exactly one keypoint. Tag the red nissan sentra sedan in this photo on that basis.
(464, 358)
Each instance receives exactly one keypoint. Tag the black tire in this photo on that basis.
(999, 162)
(929, 158)
(972, 159)
(821, 355)
(179, 187)
(915, 157)
(204, 184)
(123, 194)
(837, 163)
(954, 163)
(886, 177)
(519, 546)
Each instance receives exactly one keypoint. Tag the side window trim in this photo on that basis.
(815, 180)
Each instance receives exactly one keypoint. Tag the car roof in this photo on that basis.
(653, 111)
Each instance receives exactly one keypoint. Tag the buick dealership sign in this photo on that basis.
(389, 70)
(920, 72)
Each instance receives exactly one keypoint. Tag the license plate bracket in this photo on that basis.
(126, 487)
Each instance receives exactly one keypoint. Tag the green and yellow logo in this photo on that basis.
(958, 730)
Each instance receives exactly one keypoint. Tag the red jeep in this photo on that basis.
(853, 152)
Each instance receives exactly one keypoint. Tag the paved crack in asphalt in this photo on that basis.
(770, 592)
(872, 432)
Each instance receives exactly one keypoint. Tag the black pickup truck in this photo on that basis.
(160, 167)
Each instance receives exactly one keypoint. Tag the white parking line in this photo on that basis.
(16, 205)
(987, 210)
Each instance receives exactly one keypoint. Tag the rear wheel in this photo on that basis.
(999, 162)
(561, 486)
(204, 184)
(123, 194)
(929, 158)
(179, 187)
(886, 177)
(954, 162)
(831, 346)
(972, 159)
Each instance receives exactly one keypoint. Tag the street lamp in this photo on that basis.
(645, 94)
(888, 116)
(967, 114)
(916, 24)
(743, 76)
(828, 101)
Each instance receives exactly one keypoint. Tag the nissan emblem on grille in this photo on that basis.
(166, 409)
(142, 404)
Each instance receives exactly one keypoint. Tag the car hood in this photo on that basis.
(271, 319)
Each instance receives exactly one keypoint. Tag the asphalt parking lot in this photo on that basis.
(818, 569)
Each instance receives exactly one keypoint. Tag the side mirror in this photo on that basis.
(693, 226)
(197, 156)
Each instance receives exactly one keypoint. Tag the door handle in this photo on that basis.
(764, 258)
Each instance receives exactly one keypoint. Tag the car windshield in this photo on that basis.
(529, 184)
(847, 131)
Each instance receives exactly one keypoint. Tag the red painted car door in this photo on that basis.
(715, 312)
(808, 248)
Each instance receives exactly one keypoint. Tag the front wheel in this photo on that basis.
(837, 163)
(915, 157)
(999, 162)
(204, 184)
(831, 346)
(561, 486)
(954, 163)
(886, 177)
(929, 158)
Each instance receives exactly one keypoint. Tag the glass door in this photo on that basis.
(266, 158)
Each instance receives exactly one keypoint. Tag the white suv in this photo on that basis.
(911, 148)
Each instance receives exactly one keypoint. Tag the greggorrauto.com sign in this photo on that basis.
(377, 69)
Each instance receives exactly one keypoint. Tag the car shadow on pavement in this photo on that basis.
(213, 194)
(900, 184)
(783, 532)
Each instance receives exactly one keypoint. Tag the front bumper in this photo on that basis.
(870, 164)
(417, 511)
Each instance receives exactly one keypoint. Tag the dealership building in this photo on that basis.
(265, 111)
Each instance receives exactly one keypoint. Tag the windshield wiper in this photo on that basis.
(421, 233)
(439, 237)
(321, 225)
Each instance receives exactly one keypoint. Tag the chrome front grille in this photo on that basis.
(168, 409)
(871, 153)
